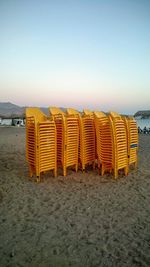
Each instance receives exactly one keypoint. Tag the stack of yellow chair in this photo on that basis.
(74, 113)
(41, 144)
(59, 118)
(72, 139)
(67, 138)
(132, 138)
(104, 142)
(119, 136)
(88, 139)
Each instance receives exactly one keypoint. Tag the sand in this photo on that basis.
(81, 220)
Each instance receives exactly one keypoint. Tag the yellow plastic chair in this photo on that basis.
(67, 138)
(91, 114)
(59, 118)
(86, 137)
(76, 114)
(132, 138)
(41, 147)
(88, 112)
(104, 142)
(36, 113)
(120, 153)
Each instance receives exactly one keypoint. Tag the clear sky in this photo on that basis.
(76, 53)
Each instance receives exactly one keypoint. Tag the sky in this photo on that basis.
(91, 54)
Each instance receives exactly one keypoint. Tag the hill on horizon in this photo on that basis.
(10, 110)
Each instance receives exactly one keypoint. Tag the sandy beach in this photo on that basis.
(83, 220)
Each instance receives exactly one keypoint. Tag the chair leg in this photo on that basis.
(83, 167)
(94, 165)
(103, 169)
(126, 171)
(99, 167)
(136, 164)
(64, 171)
(38, 179)
(30, 172)
(76, 167)
(115, 173)
(55, 173)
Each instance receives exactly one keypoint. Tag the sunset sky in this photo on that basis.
(81, 54)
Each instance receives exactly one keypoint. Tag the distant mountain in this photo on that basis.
(9, 110)
(143, 114)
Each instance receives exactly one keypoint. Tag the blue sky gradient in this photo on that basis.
(81, 54)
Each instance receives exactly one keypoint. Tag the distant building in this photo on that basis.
(142, 114)
(12, 121)
(6, 122)
(18, 122)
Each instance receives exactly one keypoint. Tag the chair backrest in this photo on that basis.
(31, 140)
(47, 146)
(56, 111)
(72, 137)
(71, 111)
(132, 138)
(67, 136)
(59, 118)
(87, 112)
(119, 142)
(40, 142)
(86, 136)
(36, 113)
(104, 141)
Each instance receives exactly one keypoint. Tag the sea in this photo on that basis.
(143, 123)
